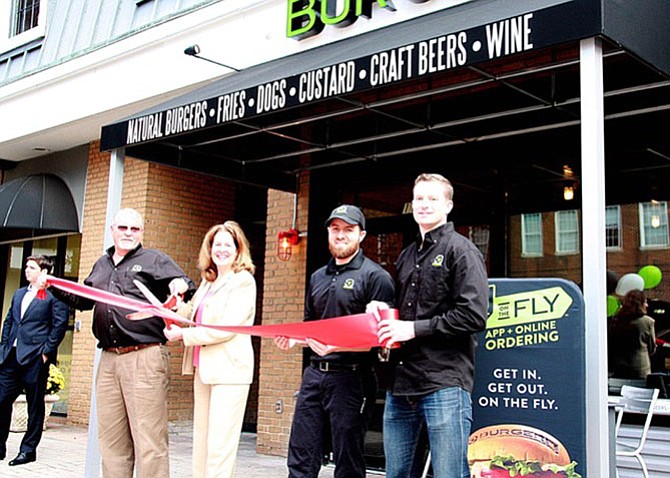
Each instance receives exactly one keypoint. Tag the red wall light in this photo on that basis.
(285, 242)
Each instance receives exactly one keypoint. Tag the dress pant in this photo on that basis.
(338, 404)
(13, 379)
(217, 423)
(131, 393)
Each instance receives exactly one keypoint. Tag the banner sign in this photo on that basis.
(455, 49)
(530, 381)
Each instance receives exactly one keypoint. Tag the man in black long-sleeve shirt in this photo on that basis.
(442, 295)
(132, 378)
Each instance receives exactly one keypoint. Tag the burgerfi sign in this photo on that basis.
(306, 18)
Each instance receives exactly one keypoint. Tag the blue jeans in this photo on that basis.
(447, 414)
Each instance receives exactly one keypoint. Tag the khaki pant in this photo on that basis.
(131, 394)
(217, 423)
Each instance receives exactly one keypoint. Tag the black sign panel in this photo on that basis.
(522, 33)
(530, 380)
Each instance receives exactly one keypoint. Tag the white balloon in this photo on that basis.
(629, 282)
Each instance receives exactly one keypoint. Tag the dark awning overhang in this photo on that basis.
(464, 104)
(39, 202)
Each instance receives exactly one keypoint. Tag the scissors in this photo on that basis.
(153, 300)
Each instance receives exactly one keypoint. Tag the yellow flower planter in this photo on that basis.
(19, 421)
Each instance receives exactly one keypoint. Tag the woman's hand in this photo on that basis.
(173, 332)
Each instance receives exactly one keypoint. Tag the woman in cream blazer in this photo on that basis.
(222, 363)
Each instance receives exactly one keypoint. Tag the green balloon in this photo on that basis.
(652, 276)
(612, 305)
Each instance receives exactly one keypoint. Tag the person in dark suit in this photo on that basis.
(33, 329)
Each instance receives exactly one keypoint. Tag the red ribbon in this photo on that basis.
(350, 331)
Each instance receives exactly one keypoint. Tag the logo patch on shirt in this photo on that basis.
(136, 268)
(349, 284)
(438, 261)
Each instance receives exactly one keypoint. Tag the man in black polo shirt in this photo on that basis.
(132, 378)
(339, 387)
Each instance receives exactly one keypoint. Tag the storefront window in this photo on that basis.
(46, 247)
(531, 234)
(613, 227)
(70, 271)
(567, 232)
(14, 275)
(63, 249)
(654, 224)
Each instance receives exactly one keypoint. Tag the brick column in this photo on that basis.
(283, 302)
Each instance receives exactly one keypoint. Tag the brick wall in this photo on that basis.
(566, 266)
(178, 208)
(629, 258)
(283, 301)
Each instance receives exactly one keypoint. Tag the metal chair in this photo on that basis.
(426, 467)
(639, 401)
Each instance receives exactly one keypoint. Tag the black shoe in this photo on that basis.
(23, 458)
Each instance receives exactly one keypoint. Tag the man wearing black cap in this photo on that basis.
(338, 388)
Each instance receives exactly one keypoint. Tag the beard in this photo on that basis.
(343, 250)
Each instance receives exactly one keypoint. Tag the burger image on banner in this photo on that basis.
(503, 451)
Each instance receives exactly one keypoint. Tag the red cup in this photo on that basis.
(391, 314)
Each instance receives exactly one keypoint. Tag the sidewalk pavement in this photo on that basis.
(62, 454)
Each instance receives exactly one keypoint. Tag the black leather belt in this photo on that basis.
(326, 366)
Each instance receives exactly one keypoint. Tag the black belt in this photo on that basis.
(326, 366)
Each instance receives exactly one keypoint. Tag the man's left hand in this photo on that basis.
(319, 348)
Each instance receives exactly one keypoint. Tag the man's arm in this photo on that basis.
(59, 316)
(168, 273)
(74, 301)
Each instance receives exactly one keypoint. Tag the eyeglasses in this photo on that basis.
(133, 229)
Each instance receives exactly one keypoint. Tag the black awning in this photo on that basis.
(469, 34)
(39, 201)
(481, 73)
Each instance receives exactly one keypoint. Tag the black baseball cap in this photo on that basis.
(349, 214)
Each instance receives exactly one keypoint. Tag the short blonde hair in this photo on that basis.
(438, 178)
(208, 269)
(128, 211)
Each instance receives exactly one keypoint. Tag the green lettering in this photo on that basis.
(364, 7)
(306, 18)
(329, 15)
(302, 19)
